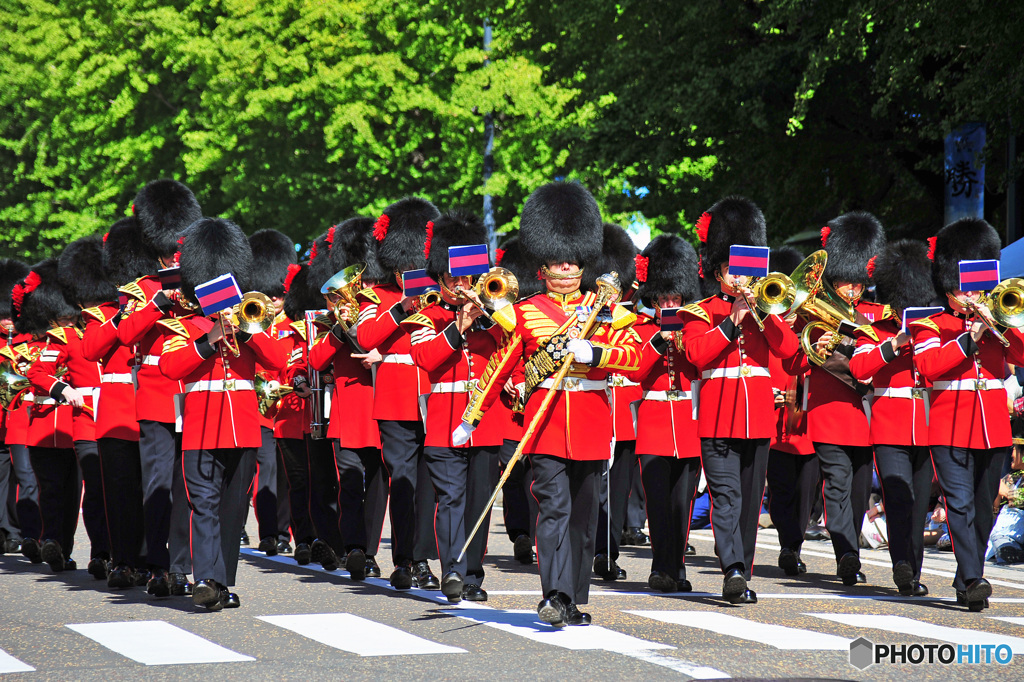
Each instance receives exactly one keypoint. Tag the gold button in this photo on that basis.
(745, 371)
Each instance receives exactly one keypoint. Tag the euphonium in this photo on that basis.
(12, 386)
(341, 289)
(268, 392)
(255, 313)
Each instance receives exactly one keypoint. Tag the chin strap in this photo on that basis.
(578, 274)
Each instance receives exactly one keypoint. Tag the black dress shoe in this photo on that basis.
(159, 585)
(849, 567)
(30, 549)
(372, 569)
(801, 566)
(323, 554)
(98, 568)
(972, 606)
(789, 561)
(230, 600)
(268, 546)
(978, 591)
(52, 555)
(573, 616)
(243, 541)
(473, 593)
(355, 562)
(903, 577)
(920, 590)
(283, 547)
(684, 586)
(70, 564)
(734, 585)
(302, 553)
(424, 577)
(551, 610)
(522, 549)
(861, 578)
(607, 569)
(451, 586)
(633, 536)
(748, 597)
(662, 582)
(690, 550)
(12, 546)
(180, 586)
(401, 578)
(142, 577)
(121, 577)
(206, 593)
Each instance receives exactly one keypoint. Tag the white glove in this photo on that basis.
(582, 349)
(460, 436)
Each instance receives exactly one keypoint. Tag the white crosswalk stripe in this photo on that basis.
(9, 664)
(358, 635)
(777, 636)
(916, 628)
(155, 642)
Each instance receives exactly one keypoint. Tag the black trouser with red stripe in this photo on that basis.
(295, 462)
(792, 491)
(93, 510)
(362, 496)
(163, 498)
(265, 499)
(669, 487)
(60, 490)
(412, 496)
(615, 498)
(518, 508)
(122, 495)
(906, 475)
(323, 493)
(846, 470)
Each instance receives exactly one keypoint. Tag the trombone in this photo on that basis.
(254, 314)
(1006, 305)
(496, 289)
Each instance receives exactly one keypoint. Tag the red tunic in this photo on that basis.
(216, 415)
(115, 408)
(736, 399)
(971, 413)
(791, 420)
(352, 407)
(82, 373)
(17, 418)
(294, 414)
(50, 424)
(399, 381)
(665, 420)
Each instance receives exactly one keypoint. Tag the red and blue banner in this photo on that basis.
(671, 320)
(468, 260)
(417, 283)
(218, 294)
(915, 314)
(748, 261)
(170, 278)
(978, 275)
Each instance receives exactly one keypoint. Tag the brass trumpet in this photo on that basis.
(269, 392)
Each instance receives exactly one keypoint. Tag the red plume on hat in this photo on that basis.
(931, 247)
(703, 223)
(871, 266)
(498, 255)
(18, 297)
(32, 281)
(293, 269)
(312, 252)
(330, 235)
(700, 267)
(380, 228)
(825, 232)
(430, 236)
(641, 267)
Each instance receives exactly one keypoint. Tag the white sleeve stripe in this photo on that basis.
(864, 349)
(423, 335)
(368, 313)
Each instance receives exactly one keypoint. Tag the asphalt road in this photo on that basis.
(301, 622)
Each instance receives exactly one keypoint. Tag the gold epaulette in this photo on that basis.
(622, 317)
(886, 311)
(174, 343)
(697, 310)
(927, 323)
(175, 325)
(419, 320)
(59, 333)
(506, 317)
(323, 321)
(95, 313)
(8, 352)
(135, 291)
(24, 351)
(369, 294)
(300, 328)
(868, 331)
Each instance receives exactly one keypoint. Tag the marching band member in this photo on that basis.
(666, 430)
(560, 226)
(14, 491)
(969, 427)
(401, 234)
(735, 418)
(836, 418)
(899, 413)
(220, 426)
(163, 208)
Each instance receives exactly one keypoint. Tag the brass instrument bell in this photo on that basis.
(255, 313)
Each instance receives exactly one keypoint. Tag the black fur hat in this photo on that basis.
(11, 272)
(733, 220)
(213, 247)
(784, 259)
(618, 254)
(43, 300)
(272, 253)
(354, 243)
(454, 228)
(126, 256)
(81, 275)
(402, 231)
(903, 275)
(850, 241)
(165, 208)
(300, 297)
(561, 222)
(320, 267)
(669, 266)
(513, 257)
(964, 239)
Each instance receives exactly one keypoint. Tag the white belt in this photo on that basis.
(668, 396)
(453, 386)
(576, 384)
(398, 359)
(968, 385)
(151, 360)
(116, 378)
(735, 372)
(900, 392)
(618, 381)
(219, 386)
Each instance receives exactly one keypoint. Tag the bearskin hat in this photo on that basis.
(514, 258)
(320, 267)
(850, 241)
(562, 223)
(213, 247)
(964, 239)
(732, 220)
(618, 254)
(784, 259)
(42, 299)
(454, 228)
(300, 296)
(272, 253)
(11, 272)
(165, 208)
(402, 231)
(126, 256)
(83, 281)
(903, 275)
(354, 243)
(668, 265)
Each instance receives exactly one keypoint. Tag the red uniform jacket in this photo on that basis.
(138, 328)
(17, 418)
(7, 354)
(791, 419)
(453, 363)
(50, 424)
(215, 414)
(899, 413)
(971, 412)
(115, 408)
(736, 399)
(399, 381)
(352, 407)
(577, 424)
(294, 414)
(82, 373)
(665, 423)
